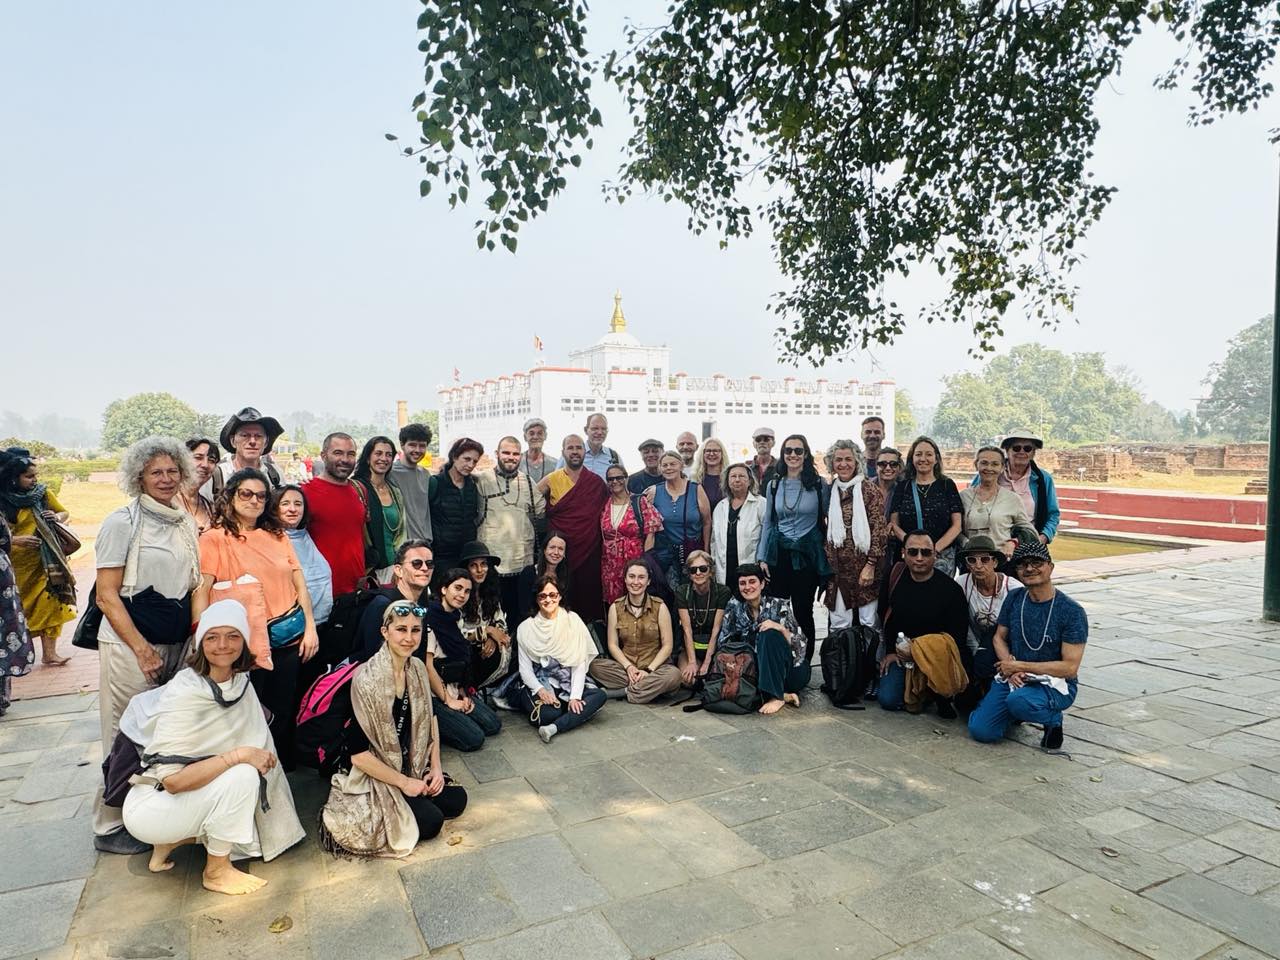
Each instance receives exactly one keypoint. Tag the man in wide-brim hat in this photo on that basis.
(1034, 485)
(248, 436)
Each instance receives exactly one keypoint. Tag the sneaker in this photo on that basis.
(1052, 739)
(121, 842)
(546, 732)
(500, 703)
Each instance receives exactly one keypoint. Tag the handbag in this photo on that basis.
(287, 628)
(68, 542)
(161, 620)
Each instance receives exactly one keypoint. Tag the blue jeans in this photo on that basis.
(593, 698)
(892, 691)
(466, 731)
(1033, 703)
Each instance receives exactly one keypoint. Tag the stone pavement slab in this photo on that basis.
(1247, 919)
(674, 918)
(821, 933)
(37, 918)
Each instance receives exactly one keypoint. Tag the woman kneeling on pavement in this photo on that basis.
(464, 719)
(209, 771)
(639, 631)
(391, 791)
(768, 625)
(554, 648)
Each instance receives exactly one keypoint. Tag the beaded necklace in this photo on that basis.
(1044, 637)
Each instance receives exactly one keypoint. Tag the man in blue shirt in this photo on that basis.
(1039, 644)
(650, 476)
(599, 458)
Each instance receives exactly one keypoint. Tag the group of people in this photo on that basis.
(540, 585)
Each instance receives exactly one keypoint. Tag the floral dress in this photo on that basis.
(17, 653)
(624, 543)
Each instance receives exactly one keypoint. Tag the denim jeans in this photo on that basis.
(466, 731)
(593, 698)
(892, 691)
(1033, 703)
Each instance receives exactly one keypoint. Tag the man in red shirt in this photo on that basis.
(336, 514)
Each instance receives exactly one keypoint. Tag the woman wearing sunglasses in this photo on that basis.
(790, 548)
(1035, 486)
(390, 791)
(247, 546)
(554, 650)
(985, 589)
(700, 605)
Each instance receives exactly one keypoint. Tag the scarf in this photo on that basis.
(835, 516)
(365, 817)
(61, 582)
(162, 514)
(563, 638)
(15, 500)
(938, 668)
(186, 718)
(444, 624)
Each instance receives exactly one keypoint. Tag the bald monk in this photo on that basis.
(575, 499)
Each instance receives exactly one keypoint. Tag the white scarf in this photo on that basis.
(563, 638)
(152, 509)
(835, 516)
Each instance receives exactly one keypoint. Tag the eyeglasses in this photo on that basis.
(548, 596)
(1032, 562)
(765, 439)
(793, 451)
(247, 495)
(700, 568)
(406, 608)
(617, 480)
(979, 559)
(888, 464)
(919, 551)
(1022, 447)
(418, 563)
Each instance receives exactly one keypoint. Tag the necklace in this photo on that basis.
(986, 615)
(791, 507)
(636, 611)
(1044, 637)
(702, 613)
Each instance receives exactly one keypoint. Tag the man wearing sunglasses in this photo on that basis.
(1039, 644)
(410, 581)
(1034, 485)
(917, 601)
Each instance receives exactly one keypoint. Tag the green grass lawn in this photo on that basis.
(1068, 547)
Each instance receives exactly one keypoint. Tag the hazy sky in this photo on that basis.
(199, 199)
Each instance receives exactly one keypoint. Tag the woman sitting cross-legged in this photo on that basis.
(554, 648)
(639, 638)
(390, 791)
(700, 605)
(464, 720)
(209, 770)
(768, 625)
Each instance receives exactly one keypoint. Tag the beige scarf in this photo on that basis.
(562, 638)
(151, 509)
(366, 817)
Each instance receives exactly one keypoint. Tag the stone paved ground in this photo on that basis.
(819, 833)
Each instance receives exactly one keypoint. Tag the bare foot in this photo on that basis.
(160, 861)
(53, 660)
(791, 699)
(227, 879)
(771, 707)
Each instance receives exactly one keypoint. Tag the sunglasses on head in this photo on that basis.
(1022, 447)
(419, 564)
(700, 568)
(793, 451)
(405, 608)
(888, 464)
(259, 495)
(919, 551)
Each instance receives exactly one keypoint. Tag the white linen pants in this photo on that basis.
(841, 617)
(219, 814)
(119, 681)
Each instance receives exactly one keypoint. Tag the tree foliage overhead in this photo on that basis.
(130, 419)
(1067, 398)
(955, 135)
(1239, 401)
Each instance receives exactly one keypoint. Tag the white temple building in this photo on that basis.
(634, 385)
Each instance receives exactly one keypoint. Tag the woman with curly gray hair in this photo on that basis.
(856, 538)
(148, 564)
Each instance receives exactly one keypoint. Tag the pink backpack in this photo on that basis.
(324, 716)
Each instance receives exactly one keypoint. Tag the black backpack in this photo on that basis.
(338, 634)
(848, 660)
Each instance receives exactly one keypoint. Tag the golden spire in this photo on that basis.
(617, 323)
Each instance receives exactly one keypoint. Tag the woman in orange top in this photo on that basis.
(247, 538)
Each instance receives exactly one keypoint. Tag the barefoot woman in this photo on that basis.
(236, 801)
(767, 625)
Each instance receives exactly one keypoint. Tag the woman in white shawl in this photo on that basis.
(209, 770)
(390, 791)
(554, 651)
(855, 544)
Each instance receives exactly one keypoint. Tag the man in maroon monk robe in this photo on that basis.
(575, 499)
